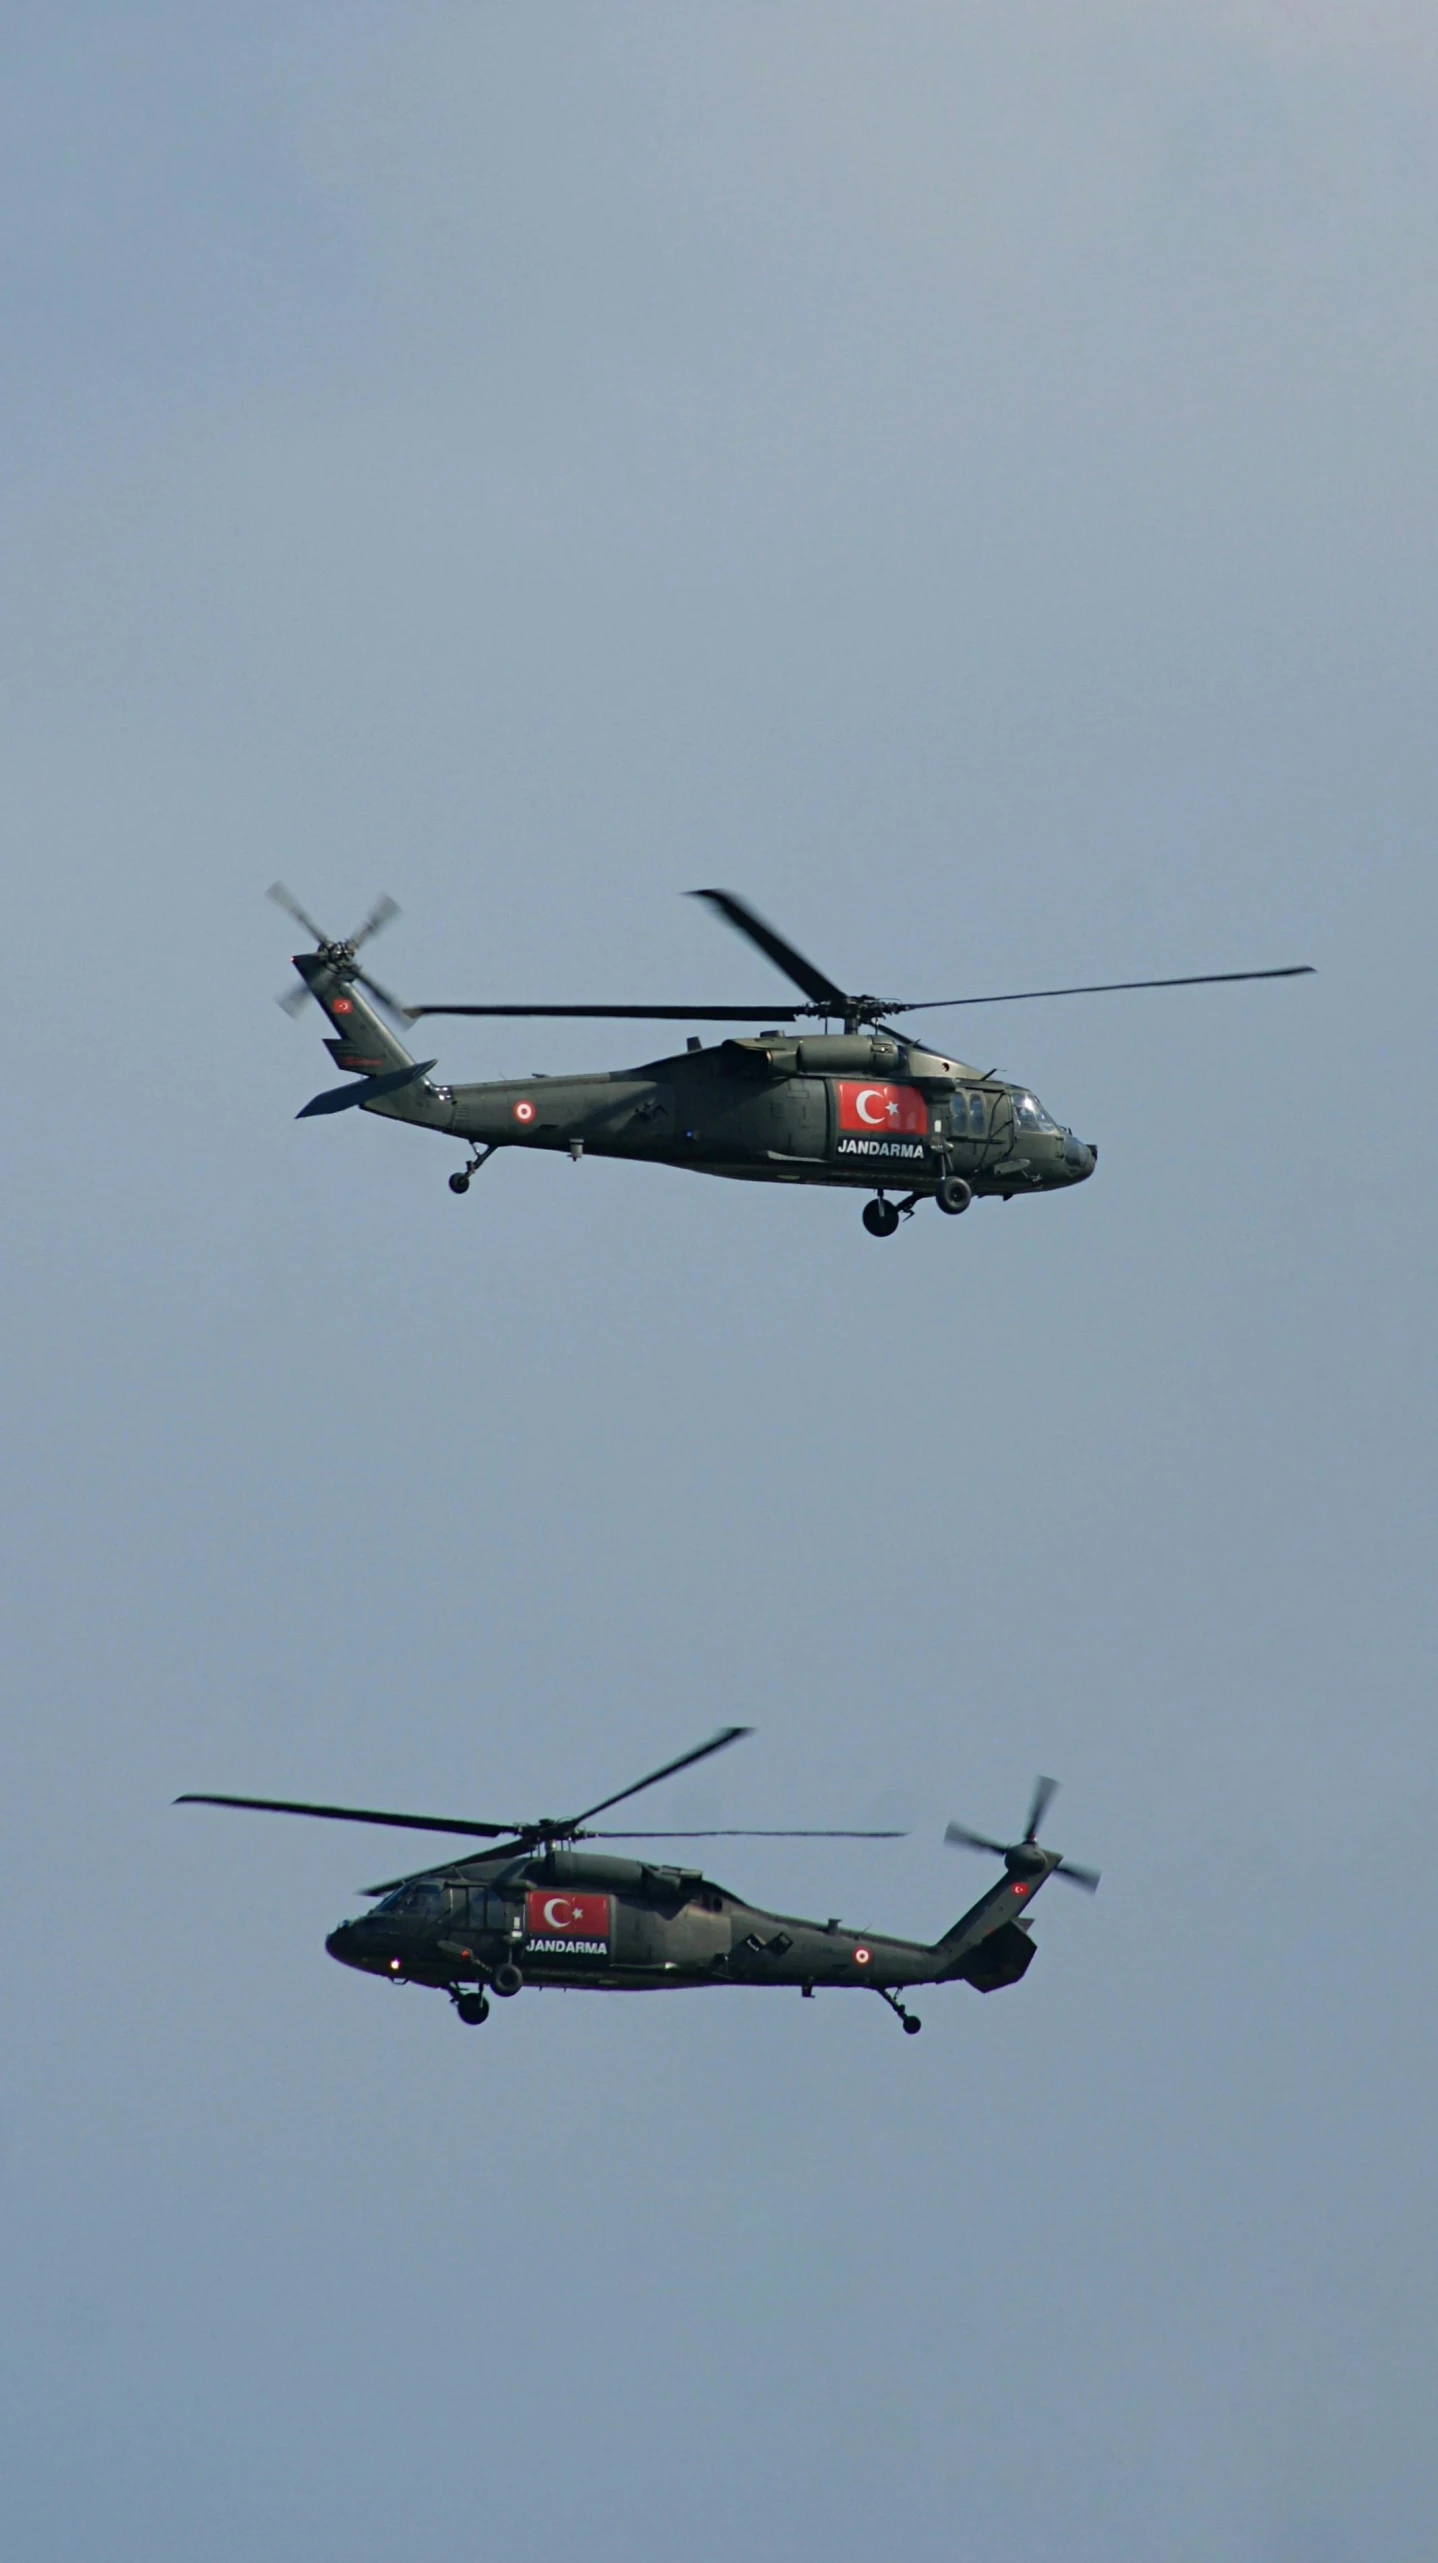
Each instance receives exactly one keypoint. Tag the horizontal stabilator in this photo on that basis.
(364, 1090)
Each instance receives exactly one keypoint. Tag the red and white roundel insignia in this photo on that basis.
(342, 1006)
(524, 1110)
(862, 1957)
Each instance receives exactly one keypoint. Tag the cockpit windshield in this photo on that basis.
(420, 1899)
(1030, 1114)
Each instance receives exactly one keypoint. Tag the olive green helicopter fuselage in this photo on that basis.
(536, 1912)
(586, 1921)
(865, 1108)
(862, 1110)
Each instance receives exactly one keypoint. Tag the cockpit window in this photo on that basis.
(968, 1116)
(1030, 1114)
(425, 1899)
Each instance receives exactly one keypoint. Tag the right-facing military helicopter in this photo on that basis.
(535, 1912)
(866, 1108)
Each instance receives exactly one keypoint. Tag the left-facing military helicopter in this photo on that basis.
(535, 1912)
(866, 1107)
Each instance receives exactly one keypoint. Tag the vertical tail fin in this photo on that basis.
(363, 1043)
(386, 1078)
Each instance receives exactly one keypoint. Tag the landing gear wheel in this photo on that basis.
(472, 2008)
(482, 1152)
(881, 1217)
(911, 2025)
(953, 1195)
(507, 1980)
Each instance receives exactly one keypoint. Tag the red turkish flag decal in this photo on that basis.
(551, 1914)
(899, 1110)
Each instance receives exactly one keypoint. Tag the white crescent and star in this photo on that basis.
(889, 1107)
(559, 1913)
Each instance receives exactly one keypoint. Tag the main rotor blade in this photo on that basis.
(1086, 1878)
(716, 1744)
(286, 899)
(631, 1014)
(792, 963)
(827, 998)
(960, 1834)
(1044, 1793)
(357, 1815)
(1108, 988)
(761, 1833)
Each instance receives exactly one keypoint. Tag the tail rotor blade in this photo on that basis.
(1086, 1878)
(379, 916)
(286, 899)
(1039, 1804)
(960, 1835)
(392, 1004)
(293, 999)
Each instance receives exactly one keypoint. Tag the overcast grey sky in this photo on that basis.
(962, 477)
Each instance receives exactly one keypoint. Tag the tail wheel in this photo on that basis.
(881, 1217)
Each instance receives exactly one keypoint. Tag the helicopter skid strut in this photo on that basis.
(912, 2026)
(460, 1182)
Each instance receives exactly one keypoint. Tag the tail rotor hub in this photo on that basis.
(342, 956)
(1027, 1858)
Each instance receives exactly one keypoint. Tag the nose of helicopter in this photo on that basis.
(365, 1944)
(1080, 1159)
(346, 1942)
